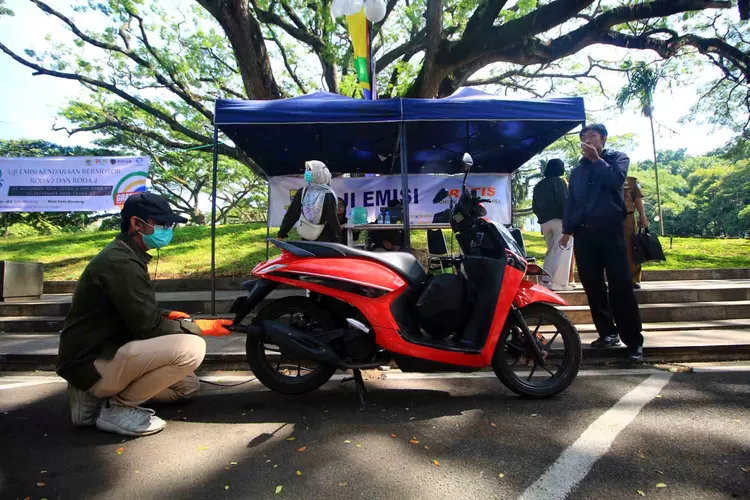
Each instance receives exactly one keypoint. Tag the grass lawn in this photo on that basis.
(240, 247)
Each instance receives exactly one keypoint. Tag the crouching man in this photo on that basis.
(117, 349)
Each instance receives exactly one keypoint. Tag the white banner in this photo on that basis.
(375, 192)
(70, 183)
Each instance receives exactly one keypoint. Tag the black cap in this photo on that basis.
(149, 206)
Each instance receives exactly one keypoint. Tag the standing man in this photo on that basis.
(117, 348)
(633, 202)
(595, 214)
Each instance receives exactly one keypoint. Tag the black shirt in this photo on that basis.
(595, 194)
(549, 199)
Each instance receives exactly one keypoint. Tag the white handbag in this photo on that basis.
(307, 230)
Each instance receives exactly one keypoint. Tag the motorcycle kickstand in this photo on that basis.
(361, 389)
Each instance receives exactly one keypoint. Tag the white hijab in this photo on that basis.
(315, 193)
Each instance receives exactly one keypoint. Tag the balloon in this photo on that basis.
(338, 8)
(353, 6)
(375, 10)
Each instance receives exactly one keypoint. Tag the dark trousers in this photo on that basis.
(603, 250)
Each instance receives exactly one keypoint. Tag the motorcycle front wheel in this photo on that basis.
(560, 345)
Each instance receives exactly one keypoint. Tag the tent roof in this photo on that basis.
(356, 135)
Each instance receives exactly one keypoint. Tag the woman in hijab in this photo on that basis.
(317, 206)
(548, 205)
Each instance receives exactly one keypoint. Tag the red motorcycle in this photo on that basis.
(366, 309)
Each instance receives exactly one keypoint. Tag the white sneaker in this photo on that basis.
(129, 421)
(83, 406)
(561, 288)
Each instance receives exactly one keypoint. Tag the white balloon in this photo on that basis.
(353, 6)
(375, 10)
(338, 8)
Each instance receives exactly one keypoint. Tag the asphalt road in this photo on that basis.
(609, 436)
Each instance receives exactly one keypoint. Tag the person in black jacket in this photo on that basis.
(549, 205)
(318, 206)
(595, 213)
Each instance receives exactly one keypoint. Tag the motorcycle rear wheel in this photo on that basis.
(304, 314)
(513, 353)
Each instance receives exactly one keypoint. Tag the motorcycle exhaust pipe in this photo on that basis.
(292, 341)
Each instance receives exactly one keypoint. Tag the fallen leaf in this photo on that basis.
(42, 472)
(426, 447)
(641, 455)
(137, 471)
(641, 493)
(394, 436)
(276, 466)
(268, 461)
(413, 441)
(658, 395)
(291, 438)
(232, 463)
(342, 483)
(412, 418)
(41, 484)
(659, 472)
(301, 449)
(347, 441)
(745, 469)
(226, 486)
(436, 463)
(358, 445)
(279, 488)
(227, 468)
(661, 485)
(493, 424)
(202, 448)
(299, 472)
(120, 450)
(501, 475)
(534, 415)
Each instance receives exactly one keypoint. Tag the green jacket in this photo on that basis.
(549, 199)
(113, 304)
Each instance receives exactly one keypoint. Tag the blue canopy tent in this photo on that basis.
(362, 136)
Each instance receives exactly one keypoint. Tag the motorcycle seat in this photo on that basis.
(404, 263)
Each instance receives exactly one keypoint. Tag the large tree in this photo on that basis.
(154, 68)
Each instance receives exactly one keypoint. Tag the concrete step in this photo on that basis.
(688, 311)
(199, 302)
(39, 351)
(198, 284)
(661, 292)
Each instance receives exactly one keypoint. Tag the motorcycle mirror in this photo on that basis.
(467, 160)
(440, 195)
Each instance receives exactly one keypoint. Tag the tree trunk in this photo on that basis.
(246, 38)
(656, 172)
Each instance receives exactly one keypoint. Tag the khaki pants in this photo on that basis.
(159, 369)
(630, 230)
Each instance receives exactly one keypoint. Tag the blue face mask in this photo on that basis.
(159, 238)
(308, 177)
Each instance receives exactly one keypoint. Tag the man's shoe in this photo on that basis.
(129, 421)
(607, 341)
(635, 354)
(636, 286)
(83, 406)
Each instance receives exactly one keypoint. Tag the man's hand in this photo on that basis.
(643, 221)
(213, 327)
(177, 315)
(589, 152)
(564, 241)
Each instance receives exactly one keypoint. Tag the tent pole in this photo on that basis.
(405, 186)
(268, 214)
(213, 220)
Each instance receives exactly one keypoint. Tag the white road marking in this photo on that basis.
(719, 369)
(578, 459)
(29, 383)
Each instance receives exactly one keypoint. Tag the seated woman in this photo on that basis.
(390, 240)
(341, 214)
(318, 206)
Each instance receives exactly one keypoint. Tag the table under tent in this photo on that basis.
(392, 136)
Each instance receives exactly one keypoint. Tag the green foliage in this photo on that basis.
(641, 86)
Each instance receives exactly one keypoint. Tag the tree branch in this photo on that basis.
(292, 72)
(414, 45)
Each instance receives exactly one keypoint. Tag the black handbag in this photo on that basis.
(646, 247)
